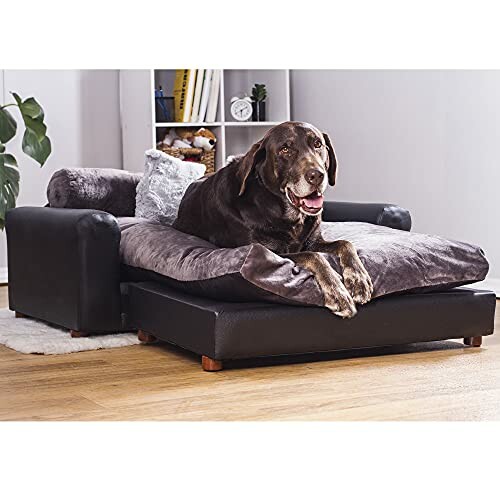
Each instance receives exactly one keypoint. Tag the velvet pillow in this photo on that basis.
(397, 261)
(160, 191)
(108, 189)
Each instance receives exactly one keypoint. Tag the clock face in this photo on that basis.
(241, 110)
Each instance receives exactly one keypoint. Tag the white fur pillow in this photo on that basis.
(165, 180)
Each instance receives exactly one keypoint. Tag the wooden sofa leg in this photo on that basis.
(76, 334)
(145, 338)
(20, 315)
(210, 365)
(473, 341)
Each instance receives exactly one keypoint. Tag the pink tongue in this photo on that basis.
(313, 202)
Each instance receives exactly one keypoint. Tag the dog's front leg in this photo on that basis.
(337, 298)
(356, 278)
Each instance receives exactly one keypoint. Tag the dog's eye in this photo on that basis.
(284, 150)
(318, 144)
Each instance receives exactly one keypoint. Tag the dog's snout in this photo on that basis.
(211, 142)
(314, 176)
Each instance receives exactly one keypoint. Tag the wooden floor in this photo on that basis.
(435, 381)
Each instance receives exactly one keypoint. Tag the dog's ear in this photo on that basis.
(256, 154)
(332, 161)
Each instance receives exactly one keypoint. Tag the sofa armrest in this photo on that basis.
(382, 214)
(64, 267)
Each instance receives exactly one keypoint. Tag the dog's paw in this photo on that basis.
(359, 284)
(340, 303)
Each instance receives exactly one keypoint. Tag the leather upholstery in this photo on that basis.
(223, 330)
(382, 214)
(64, 267)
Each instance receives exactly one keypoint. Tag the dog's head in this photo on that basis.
(296, 160)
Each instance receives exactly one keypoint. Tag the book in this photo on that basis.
(214, 96)
(205, 95)
(188, 105)
(183, 93)
(179, 93)
(197, 95)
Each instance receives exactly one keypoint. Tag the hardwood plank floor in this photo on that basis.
(435, 381)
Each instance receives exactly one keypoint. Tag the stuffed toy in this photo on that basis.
(204, 139)
(187, 138)
(170, 137)
(179, 143)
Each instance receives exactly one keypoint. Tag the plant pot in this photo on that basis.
(259, 111)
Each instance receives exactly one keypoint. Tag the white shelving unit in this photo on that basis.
(141, 131)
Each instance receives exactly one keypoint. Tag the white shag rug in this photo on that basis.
(30, 336)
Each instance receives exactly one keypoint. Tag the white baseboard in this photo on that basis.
(3, 276)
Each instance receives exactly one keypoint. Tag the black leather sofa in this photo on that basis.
(64, 268)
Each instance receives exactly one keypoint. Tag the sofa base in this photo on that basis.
(223, 331)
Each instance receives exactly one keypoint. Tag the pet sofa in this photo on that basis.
(65, 268)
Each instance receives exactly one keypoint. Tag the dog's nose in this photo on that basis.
(314, 176)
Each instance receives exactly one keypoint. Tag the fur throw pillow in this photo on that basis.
(107, 189)
(165, 180)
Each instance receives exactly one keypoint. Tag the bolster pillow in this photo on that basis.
(107, 189)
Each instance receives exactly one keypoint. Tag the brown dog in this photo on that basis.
(273, 195)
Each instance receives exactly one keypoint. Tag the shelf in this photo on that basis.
(251, 124)
(182, 124)
(216, 124)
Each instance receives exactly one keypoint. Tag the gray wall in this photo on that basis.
(427, 140)
(83, 121)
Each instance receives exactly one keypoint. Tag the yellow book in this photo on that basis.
(183, 93)
(180, 88)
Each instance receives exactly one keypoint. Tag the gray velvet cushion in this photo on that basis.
(127, 222)
(107, 189)
(397, 261)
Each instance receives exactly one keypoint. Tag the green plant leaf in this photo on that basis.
(9, 188)
(32, 109)
(259, 92)
(35, 142)
(9, 160)
(39, 150)
(8, 126)
(17, 98)
(38, 127)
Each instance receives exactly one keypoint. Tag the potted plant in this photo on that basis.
(259, 96)
(35, 144)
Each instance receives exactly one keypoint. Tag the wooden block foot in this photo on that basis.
(20, 315)
(145, 337)
(210, 365)
(473, 341)
(77, 334)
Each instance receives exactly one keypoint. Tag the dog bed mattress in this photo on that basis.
(397, 261)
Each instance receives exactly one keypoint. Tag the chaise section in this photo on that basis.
(223, 331)
(64, 267)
